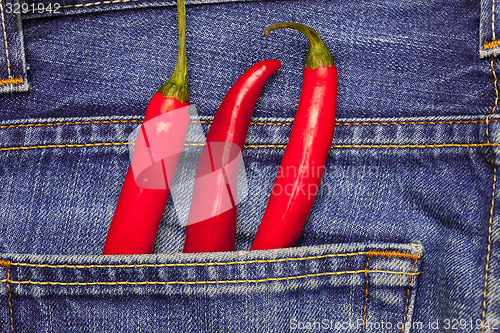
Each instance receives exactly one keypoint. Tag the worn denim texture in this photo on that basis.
(405, 227)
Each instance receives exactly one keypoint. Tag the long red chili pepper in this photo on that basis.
(225, 139)
(303, 162)
(139, 210)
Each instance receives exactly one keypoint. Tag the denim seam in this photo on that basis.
(490, 221)
(253, 123)
(386, 254)
(366, 294)
(408, 296)
(80, 145)
(9, 299)
(57, 283)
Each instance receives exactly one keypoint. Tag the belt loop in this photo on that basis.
(13, 77)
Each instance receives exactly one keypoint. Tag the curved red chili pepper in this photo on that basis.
(303, 162)
(139, 210)
(229, 128)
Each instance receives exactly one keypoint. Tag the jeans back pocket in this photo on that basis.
(338, 287)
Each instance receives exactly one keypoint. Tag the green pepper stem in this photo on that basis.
(319, 55)
(176, 86)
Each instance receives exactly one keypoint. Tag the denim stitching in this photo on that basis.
(490, 221)
(11, 81)
(366, 293)
(408, 296)
(9, 297)
(494, 43)
(253, 123)
(491, 45)
(55, 283)
(443, 145)
(74, 123)
(387, 254)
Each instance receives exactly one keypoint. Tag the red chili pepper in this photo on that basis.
(225, 140)
(139, 210)
(303, 162)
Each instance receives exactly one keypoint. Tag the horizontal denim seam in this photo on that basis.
(205, 281)
(387, 254)
(254, 123)
(441, 145)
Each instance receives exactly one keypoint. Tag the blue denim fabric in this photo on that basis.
(413, 165)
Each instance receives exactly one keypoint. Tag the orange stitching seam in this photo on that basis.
(366, 293)
(253, 123)
(10, 302)
(52, 283)
(11, 81)
(9, 297)
(393, 254)
(389, 254)
(444, 145)
(408, 295)
(490, 221)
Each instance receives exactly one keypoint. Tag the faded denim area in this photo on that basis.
(404, 232)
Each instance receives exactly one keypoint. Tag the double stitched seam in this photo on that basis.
(6, 264)
(387, 254)
(80, 145)
(490, 221)
(54, 283)
(366, 293)
(252, 123)
(408, 295)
